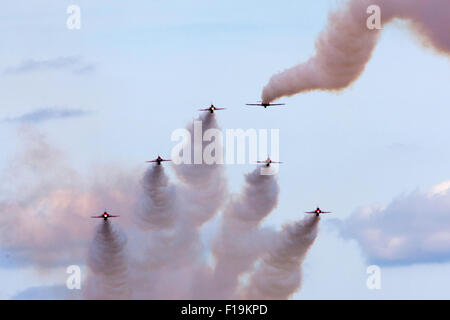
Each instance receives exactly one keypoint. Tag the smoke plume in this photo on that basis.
(158, 201)
(175, 215)
(107, 263)
(203, 185)
(240, 241)
(279, 275)
(45, 204)
(346, 45)
(158, 252)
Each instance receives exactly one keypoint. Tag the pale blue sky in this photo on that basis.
(155, 63)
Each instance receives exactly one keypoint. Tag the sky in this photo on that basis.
(111, 93)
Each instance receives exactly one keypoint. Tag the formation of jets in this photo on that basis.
(266, 162)
(213, 108)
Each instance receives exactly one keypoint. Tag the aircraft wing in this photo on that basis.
(312, 212)
(219, 108)
(111, 216)
(265, 105)
(97, 216)
(325, 212)
(203, 109)
(276, 162)
(152, 161)
(165, 160)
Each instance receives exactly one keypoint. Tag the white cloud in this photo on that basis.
(440, 189)
(413, 228)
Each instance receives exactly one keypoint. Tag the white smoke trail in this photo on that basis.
(279, 274)
(205, 187)
(158, 202)
(346, 45)
(108, 265)
(165, 257)
(241, 241)
(176, 215)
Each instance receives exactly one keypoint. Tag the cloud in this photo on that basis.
(413, 228)
(75, 64)
(45, 114)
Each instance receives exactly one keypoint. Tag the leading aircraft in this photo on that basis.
(211, 109)
(268, 162)
(105, 216)
(317, 212)
(265, 104)
(158, 160)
